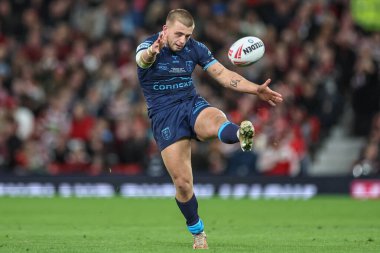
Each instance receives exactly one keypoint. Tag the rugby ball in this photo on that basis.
(246, 51)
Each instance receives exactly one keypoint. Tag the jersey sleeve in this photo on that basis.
(147, 43)
(205, 57)
(144, 45)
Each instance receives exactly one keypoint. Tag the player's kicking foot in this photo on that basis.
(200, 241)
(246, 133)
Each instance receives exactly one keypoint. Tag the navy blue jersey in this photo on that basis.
(168, 81)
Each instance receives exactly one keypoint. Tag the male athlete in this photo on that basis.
(165, 62)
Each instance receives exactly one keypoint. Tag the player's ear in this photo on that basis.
(164, 30)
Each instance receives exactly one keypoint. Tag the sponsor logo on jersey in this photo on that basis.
(175, 59)
(189, 66)
(163, 66)
(177, 70)
(162, 87)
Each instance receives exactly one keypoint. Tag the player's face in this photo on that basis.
(177, 34)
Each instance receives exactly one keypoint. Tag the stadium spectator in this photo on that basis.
(369, 161)
(280, 157)
(81, 123)
(365, 84)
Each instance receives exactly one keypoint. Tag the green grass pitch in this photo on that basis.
(322, 224)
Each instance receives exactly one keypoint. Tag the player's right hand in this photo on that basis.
(266, 94)
(158, 44)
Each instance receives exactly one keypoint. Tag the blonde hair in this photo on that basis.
(182, 16)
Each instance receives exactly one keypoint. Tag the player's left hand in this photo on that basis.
(267, 94)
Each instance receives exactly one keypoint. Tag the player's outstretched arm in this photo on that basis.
(234, 81)
(145, 58)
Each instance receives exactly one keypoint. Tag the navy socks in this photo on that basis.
(227, 133)
(189, 209)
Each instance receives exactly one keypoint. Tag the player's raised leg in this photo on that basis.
(177, 159)
(212, 123)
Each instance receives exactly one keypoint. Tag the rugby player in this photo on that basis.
(178, 113)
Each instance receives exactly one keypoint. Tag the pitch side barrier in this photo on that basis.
(205, 187)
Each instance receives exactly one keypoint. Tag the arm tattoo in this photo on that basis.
(234, 83)
(218, 72)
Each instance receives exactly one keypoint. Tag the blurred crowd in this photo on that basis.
(70, 101)
(368, 163)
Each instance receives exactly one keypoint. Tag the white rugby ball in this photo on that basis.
(246, 51)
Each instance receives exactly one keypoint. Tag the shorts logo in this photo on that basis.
(166, 133)
(199, 104)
